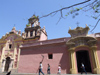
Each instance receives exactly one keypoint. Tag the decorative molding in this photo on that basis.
(9, 54)
(79, 31)
(18, 39)
(7, 35)
(81, 41)
(2, 41)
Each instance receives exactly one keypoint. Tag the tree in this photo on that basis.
(93, 6)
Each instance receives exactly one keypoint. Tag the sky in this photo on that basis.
(17, 12)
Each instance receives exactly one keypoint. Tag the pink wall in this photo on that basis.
(30, 58)
(43, 36)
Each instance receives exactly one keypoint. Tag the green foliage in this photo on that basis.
(96, 11)
(93, 7)
(94, 17)
(28, 25)
(97, 5)
(80, 8)
(35, 17)
(77, 9)
(73, 11)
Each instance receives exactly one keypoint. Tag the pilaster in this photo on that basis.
(25, 35)
(96, 65)
(3, 50)
(15, 52)
(3, 65)
(73, 69)
(28, 33)
(19, 51)
(33, 33)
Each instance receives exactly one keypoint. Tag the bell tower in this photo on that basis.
(33, 21)
(33, 29)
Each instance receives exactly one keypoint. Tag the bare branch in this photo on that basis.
(90, 4)
(53, 14)
(98, 16)
(59, 20)
(65, 8)
(60, 17)
(95, 25)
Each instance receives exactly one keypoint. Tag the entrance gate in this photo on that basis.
(80, 39)
(7, 64)
(83, 57)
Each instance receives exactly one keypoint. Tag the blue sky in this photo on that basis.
(17, 12)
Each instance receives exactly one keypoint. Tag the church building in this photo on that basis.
(23, 52)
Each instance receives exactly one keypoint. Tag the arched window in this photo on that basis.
(10, 46)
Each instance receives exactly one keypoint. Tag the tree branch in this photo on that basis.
(95, 25)
(65, 8)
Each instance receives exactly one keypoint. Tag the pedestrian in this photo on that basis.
(59, 69)
(83, 69)
(40, 68)
(48, 69)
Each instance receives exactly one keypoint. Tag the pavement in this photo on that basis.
(46, 74)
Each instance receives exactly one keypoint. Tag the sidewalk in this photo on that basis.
(46, 74)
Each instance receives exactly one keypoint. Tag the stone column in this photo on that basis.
(15, 52)
(72, 61)
(18, 57)
(96, 65)
(24, 35)
(3, 65)
(34, 33)
(3, 50)
(28, 33)
(2, 57)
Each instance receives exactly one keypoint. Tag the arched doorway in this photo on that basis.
(83, 57)
(7, 64)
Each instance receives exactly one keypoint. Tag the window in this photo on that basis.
(10, 45)
(50, 56)
(26, 34)
(31, 33)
